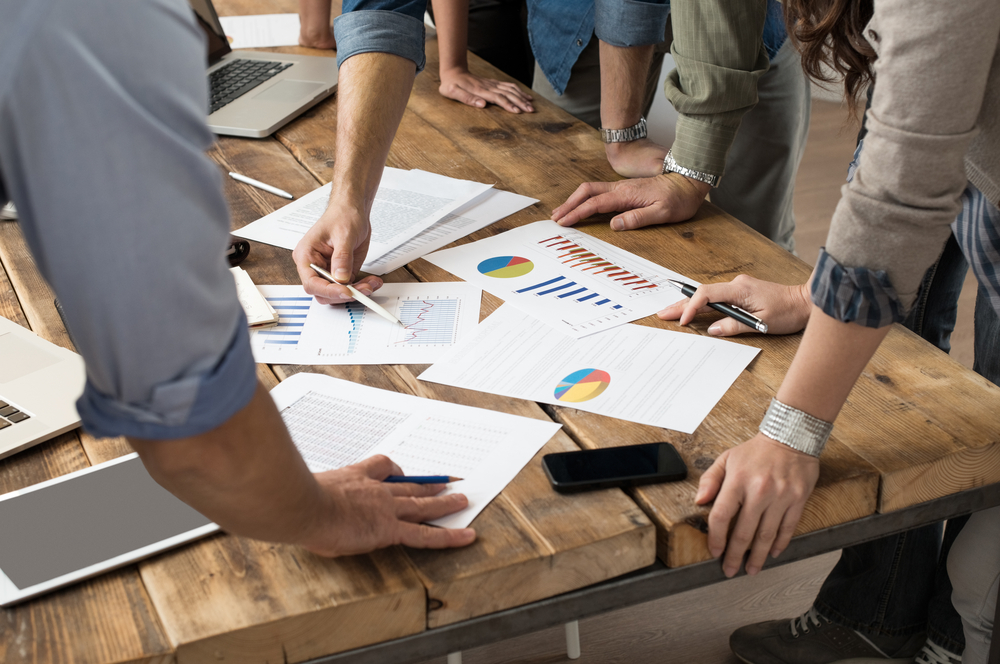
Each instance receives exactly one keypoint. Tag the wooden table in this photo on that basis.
(918, 427)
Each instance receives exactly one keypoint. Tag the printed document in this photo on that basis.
(492, 206)
(567, 279)
(435, 317)
(335, 423)
(261, 30)
(637, 373)
(407, 202)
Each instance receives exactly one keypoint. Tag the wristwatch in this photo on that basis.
(671, 166)
(633, 133)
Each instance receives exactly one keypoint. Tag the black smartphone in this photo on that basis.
(632, 465)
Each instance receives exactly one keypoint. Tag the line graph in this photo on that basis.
(428, 321)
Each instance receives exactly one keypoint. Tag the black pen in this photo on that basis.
(730, 310)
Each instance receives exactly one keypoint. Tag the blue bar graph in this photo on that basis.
(292, 312)
(559, 285)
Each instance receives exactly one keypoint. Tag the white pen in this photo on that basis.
(358, 295)
(260, 185)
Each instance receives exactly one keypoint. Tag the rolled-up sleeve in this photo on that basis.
(381, 26)
(102, 147)
(629, 23)
(932, 71)
(720, 56)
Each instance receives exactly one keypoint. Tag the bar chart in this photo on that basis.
(292, 312)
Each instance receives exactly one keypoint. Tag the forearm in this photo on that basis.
(314, 17)
(623, 84)
(829, 360)
(451, 18)
(373, 91)
(245, 475)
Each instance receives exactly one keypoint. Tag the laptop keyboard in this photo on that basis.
(10, 415)
(228, 83)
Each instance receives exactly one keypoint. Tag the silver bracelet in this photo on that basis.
(626, 135)
(800, 431)
(670, 165)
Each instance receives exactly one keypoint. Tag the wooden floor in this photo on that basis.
(694, 627)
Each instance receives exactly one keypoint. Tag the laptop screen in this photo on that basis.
(218, 45)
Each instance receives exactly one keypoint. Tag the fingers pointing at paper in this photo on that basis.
(339, 240)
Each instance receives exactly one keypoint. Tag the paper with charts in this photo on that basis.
(435, 317)
(406, 204)
(567, 279)
(637, 373)
(335, 423)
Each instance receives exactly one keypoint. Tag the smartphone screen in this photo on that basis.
(631, 465)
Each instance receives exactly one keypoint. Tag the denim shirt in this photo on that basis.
(558, 29)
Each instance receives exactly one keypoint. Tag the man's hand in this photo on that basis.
(339, 240)
(458, 84)
(763, 486)
(663, 199)
(785, 309)
(366, 514)
(636, 159)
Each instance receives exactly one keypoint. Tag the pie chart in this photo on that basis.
(505, 267)
(582, 385)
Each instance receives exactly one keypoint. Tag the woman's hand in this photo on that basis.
(762, 486)
(785, 309)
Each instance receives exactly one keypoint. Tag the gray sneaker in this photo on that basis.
(932, 653)
(813, 639)
(8, 212)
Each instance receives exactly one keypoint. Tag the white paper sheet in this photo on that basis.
(335, 423)
(436, 316)
(407, 202)
(657, 377)
(492, 206)
(261, 30)
(567, 279)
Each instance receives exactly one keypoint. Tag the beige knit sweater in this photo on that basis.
(933, 126)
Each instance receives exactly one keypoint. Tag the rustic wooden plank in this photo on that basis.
(108, 619)
(532, 542)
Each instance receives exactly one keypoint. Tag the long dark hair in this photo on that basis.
(830, 32)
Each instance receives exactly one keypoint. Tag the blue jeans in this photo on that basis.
(899, 585)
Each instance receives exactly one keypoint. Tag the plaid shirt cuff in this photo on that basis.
(855, 294)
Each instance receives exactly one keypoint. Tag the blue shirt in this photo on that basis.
(558, 29)
(102, 149)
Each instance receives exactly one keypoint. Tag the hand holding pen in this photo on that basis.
(783, 309)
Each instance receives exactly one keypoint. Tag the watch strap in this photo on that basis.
(633, 133)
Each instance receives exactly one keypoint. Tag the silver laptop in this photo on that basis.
(39, 385)
(254, 93)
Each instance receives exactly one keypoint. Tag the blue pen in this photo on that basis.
(422, 479)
